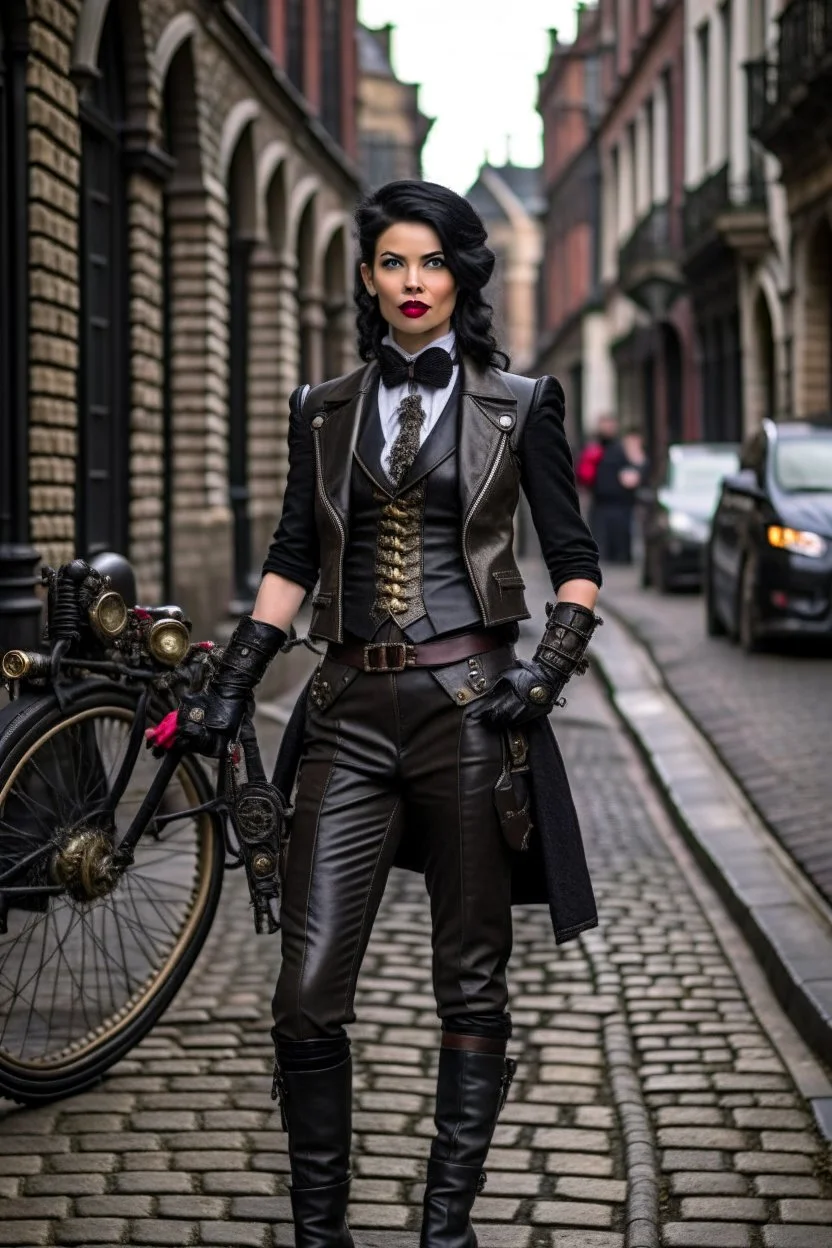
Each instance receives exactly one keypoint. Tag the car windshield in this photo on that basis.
(804, 465)
(699, 475)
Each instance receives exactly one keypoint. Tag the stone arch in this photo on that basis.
(139, 94)
(813, 330)
(311, 295)
(272, 193)
(335, 267)
(239, 119)
(179, 29)
(302, 195)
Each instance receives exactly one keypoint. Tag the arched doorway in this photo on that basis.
(180, 136)
(764, 350)
(816, 362)
(241, 239)
(336, 306)
(103, 380)
(672, 368)
(309, 297)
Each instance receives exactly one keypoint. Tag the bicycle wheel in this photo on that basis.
(82, 981)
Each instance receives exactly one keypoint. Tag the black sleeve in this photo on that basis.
(548, 479)
(294, 552)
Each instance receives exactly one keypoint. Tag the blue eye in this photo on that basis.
(390, 262)
(435, 262)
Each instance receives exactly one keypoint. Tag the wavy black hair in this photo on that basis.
(463, 239)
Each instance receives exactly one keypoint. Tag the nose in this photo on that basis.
(412, 280)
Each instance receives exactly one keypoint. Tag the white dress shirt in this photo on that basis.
(433, 399)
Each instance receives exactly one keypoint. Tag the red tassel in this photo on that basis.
(163, 736)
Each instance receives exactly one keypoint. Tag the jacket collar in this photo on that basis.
(488, 413)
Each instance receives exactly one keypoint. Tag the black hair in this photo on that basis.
(463, 239)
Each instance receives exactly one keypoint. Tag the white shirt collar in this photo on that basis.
(447, 342)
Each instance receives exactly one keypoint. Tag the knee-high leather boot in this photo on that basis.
(474, 1079)
(316, 1105)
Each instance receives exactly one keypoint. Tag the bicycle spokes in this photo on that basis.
(86, 960)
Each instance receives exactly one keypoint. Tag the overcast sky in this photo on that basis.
(477, 62)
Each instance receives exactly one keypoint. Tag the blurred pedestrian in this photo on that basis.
(420, 732)
(621, 471)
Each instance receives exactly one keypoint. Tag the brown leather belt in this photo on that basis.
(395, 656)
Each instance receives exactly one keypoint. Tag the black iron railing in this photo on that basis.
(650, 241)
(800, 63)
(719, 194)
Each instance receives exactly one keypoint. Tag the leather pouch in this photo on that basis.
(511, 794)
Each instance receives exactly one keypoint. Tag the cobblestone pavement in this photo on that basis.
(766, 714)
(648, 1090)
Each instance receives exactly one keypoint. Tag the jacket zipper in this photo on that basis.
(336, 518)
(483, 490)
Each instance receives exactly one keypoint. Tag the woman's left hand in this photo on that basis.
(522, 693)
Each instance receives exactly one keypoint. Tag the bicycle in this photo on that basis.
(112, 861)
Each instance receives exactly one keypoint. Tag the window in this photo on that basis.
(256, 14)
(294, 42)
(703, 44)
(592, 88)
(104, 394)
(385, 159)
(727, 74)
(331, 76)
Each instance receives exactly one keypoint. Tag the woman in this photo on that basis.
(403, 480)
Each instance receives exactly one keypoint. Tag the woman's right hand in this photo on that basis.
(205, 723)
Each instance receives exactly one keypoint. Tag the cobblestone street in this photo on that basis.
(642, 1057)
(766, 714)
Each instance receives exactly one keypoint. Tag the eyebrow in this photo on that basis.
(427, 256)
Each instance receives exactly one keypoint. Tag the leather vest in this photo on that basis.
(489, 426)
(403, 559)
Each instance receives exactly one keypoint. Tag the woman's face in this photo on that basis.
(416, 289)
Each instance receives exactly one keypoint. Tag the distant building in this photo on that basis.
(508, 199)
(391, 128)
(572, 343)
(177, 182)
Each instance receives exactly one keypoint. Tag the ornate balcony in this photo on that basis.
(788, 97)
(648, 262)
(723, 215)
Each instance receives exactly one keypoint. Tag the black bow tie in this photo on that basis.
(433, 367)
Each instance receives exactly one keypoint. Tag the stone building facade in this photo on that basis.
(573, 340)
(178, 183)
(392, 129)
(789, 295)
(508, 198)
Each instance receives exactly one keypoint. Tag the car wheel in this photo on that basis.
(714, 626)
(748, 622)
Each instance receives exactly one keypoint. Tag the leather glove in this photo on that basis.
(528, 691)
(208, 721)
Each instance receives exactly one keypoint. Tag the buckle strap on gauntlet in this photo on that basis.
(569, 628)
(250, 649)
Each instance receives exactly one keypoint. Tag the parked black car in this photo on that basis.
(678, 514)
(768, 569)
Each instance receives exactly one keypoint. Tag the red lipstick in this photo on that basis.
(413, 308)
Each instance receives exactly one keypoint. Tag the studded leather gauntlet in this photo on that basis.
(528, 691)
(208, 721)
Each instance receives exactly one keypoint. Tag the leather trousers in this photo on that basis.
(393, 750)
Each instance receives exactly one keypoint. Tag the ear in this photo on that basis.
(367, 278)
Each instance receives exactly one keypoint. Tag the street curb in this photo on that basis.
(785, 920)
(643, 1174)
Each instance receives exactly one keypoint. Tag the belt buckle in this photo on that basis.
(377, 656)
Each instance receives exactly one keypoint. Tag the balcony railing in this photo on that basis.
(648, 262)
(799, 70)
(718, 195)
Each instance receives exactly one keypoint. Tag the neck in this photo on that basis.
(411, 343)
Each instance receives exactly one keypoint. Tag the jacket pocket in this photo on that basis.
(321, 601)
(509, 580)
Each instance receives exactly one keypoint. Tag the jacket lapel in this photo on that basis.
(488, 414)
(338, 434)
(439, 444)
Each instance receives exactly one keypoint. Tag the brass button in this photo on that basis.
(317, 422)
(540, 693)
(506, 422)
(196, 715)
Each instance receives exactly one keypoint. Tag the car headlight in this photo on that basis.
(169, 641)
(683, 525)
(798, 541)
